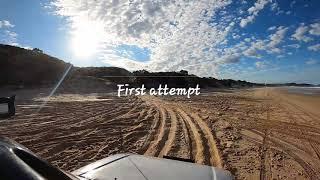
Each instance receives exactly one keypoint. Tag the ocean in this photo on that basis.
(303, 90)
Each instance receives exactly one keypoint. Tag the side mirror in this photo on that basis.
(7, 106)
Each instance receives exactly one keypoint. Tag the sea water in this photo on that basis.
(303, 90)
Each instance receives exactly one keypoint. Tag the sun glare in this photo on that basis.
(86, 40)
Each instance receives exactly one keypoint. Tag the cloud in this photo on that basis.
(276, 39)
(231, 58)
(195, 35)
(235, 36)
(253, 12)
(315, 29)
(280, 56)
(270, 45)
(11, 34)
(300, 33)
(274, 6)
(292, 3)
(177, 33)
(244, 22)
(8, 37)
(261, 64)
(5, 24)
(256, 46)
(272, 28)
(296, 46)
(315, 47)
(311, 62)
(247, 39)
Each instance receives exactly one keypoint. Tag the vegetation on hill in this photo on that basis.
(23, 67)
(183, 79)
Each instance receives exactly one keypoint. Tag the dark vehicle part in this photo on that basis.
(7, 106)
(179, 159)
(17, 162)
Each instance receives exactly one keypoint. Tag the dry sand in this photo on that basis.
(262, 133)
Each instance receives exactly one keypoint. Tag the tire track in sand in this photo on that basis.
(199, 140)
(182, 146)
(295, 117)
(172, 133)
(199, 149)
(161, 136)
(215, 158)
(152, 132)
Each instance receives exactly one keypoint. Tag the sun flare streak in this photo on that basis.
(55, 88)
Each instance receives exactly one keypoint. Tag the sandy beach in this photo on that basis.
(266, 133)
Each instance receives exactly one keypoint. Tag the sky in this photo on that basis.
(273, 41)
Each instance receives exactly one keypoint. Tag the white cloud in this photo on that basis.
(300, 33)
(5, 24)
(255, 46)
(311, 62)
(280, 56)
(231, 58)
(8, 37)
(276, 39)
(270, 45)
(253, 12)
(261, 64)
(247, 39)
(315, 47)
(259, 5)
(178, 33)
(279, 12)
(11, 34)
(246, 21)
(292, 3)
(296, 46)
(274, 6)
(315, 29)
(235, 36)
(272, 28)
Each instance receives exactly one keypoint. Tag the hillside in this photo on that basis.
(183, 79)
(32, 68)
(21, 67)
(24, 67)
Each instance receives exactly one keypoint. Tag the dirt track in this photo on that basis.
(254, 134)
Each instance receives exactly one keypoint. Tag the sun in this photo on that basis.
(86, 40)
(85, 43)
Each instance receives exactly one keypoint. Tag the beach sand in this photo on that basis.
(264, 133)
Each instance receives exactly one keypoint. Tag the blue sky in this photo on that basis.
(261, 41)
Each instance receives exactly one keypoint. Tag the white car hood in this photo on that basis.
(137, 167)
